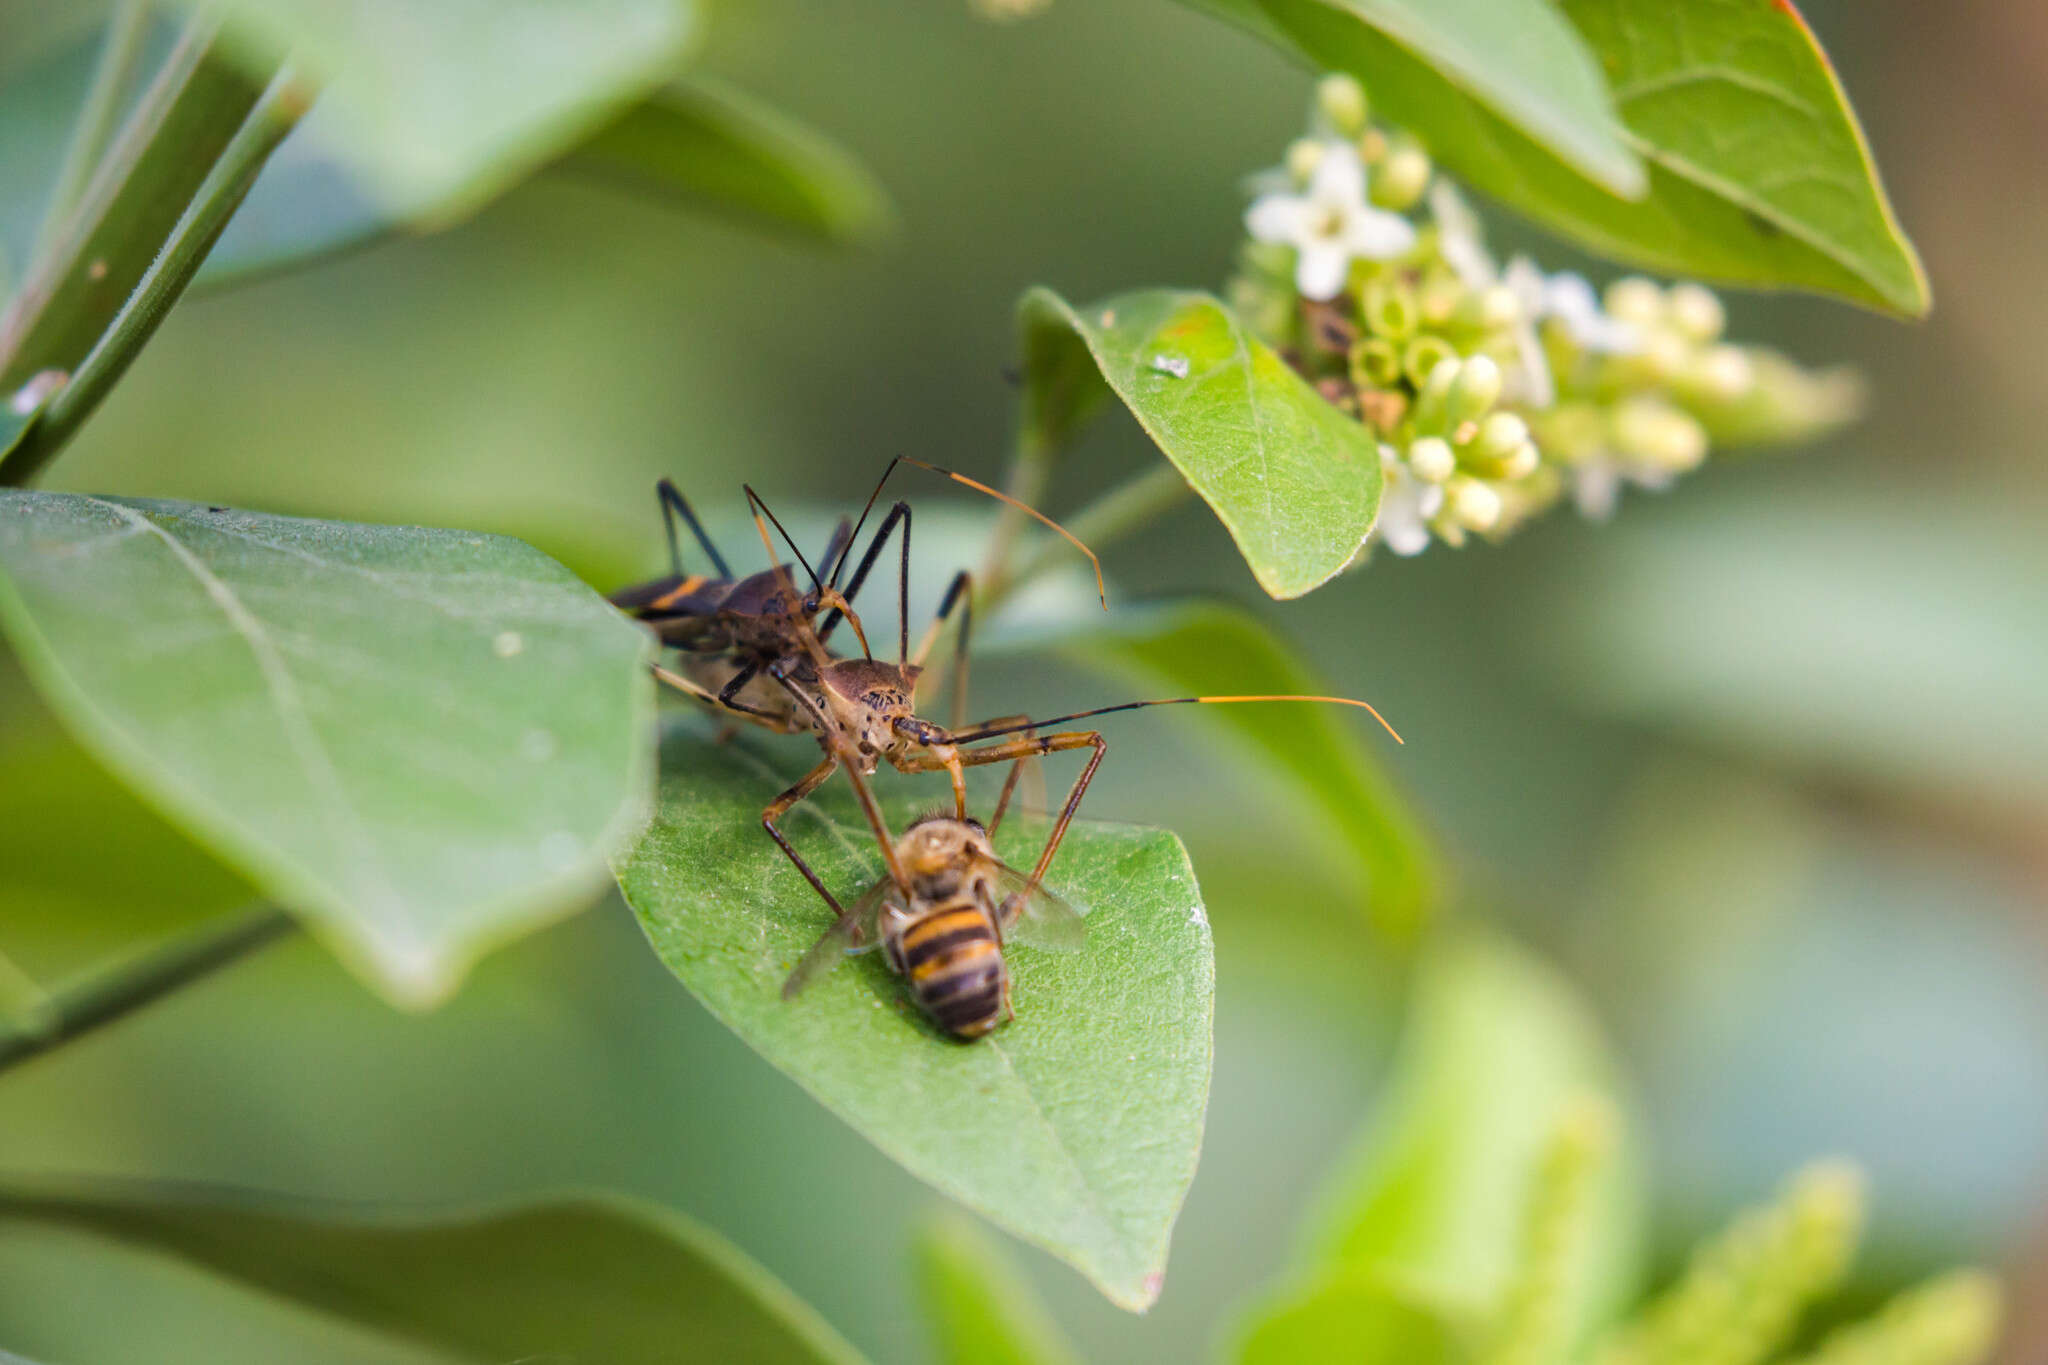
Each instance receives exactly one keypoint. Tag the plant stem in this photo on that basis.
(1030, 470)
(1108, 519)
(110, 998)
(220, 194)
(127, 26)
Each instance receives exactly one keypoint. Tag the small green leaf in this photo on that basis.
(1357, 1319)
(1499, 1049)
(1758, 172)
(425, 742)
(1217, 649)
(1296, 482)
(1076, 1126)
(710, 145)
(156, 165)
(586, 1278)
(449, 104)
(981, 1308)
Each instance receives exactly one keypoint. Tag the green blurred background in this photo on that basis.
(1763, 762)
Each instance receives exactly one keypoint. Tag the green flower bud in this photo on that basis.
(1637, 300)
(1342, 101)
(1721, 373)
(1472, 504)
(1476, 389)
(1431, 459)
(1500, 434)
(1304, 154)
(1696, 312)
(1571, 432)
(1375, 363)
(1490, 309)
(1423, 360)
(1441, 298)
(1388, 307)
(1520, 462)
(1399, 180)
(1655, 432)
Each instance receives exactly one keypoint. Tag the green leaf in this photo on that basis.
(981, 1308)
(1218, 649)
(152, 171)
(703, 145)
(1523, 61)
(1357, 1319)
(1076, 1126)
(1498, 1051)
(1758, 172)
(712, 146)
(584, 1278)
(93, 874)
(450, 104)
(1828, 629)
(424, 742)
(1296, 482)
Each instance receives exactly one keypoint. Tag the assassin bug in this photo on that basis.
(863, 713)
(732, 628)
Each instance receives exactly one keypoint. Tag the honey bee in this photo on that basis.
(946, 937)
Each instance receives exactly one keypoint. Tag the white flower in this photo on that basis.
(1330, 224)
(1598, 479)
(1459, 239)
(1406, 506)
(1571, 300)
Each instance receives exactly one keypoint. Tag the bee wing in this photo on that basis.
(1036, 918)
(853, 932)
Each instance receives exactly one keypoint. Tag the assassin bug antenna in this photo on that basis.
(979, 487)
(812, 645)
(990, 732)
(761, 510)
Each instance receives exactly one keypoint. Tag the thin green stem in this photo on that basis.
(1110, 518)
(1031, 463)
(220, 194)
(107, 999)
(127, 27)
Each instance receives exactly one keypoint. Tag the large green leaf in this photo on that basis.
(587, 1279)
(1214, 648)
(450, 103)
(1891, 636)
(1522, 60)
(1356, 1319)
(1077, 1126)
(423, 741)
(93, 875)
(1296, 482)
(712, 146)
(1499, 1050)
(705, 146)
(1758, 172)
(981, 1308)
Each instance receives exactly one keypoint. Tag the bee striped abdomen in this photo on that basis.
(956, 972)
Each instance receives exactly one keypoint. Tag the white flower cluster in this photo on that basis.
(1494, 392)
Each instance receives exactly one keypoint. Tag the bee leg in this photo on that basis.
(779, 807)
